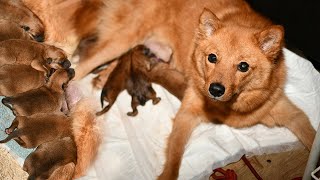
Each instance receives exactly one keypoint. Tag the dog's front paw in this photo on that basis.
(133, 113)
(156, 100)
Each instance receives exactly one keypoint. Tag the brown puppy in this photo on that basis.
(16, 11)
(31, 131)
(48, 98)
(40, 56)
(15, 79)
(49, 156)
(12, 30)
(128, 75)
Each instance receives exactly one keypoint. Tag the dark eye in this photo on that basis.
(243, 67)
(26, 28)
(212, 58)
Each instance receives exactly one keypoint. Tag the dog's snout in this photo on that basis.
(66, 64)
(216, 89)
(71, 73)
(39, 37)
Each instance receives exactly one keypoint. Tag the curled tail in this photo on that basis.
(12, 135)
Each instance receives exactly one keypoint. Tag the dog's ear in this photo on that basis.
(208, 24)
(271, 40)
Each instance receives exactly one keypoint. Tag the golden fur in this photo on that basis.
(47, 98)
(235, 33)
(16, 11)
(15, 79)
(12, 30)
(87, 135)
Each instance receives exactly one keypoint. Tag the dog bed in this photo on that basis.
(133, 147)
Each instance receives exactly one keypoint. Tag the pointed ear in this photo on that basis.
(271, 40)
(208, 24)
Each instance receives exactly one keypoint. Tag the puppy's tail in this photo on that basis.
(12, 135)
(104, 110)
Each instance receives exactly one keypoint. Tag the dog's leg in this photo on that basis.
(153, 95)
(134, 104)
(104, 51)
(186, 120)
(12, 127)
(286, 114)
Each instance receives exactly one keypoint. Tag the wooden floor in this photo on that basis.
(280, 166)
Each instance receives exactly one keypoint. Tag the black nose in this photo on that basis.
(39, 38)
(71, 73)
(66, 64)
(216, 89)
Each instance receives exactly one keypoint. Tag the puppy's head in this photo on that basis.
(56, 58)
(29, 21)
(60, 78)
(230, 60)
(143, 58)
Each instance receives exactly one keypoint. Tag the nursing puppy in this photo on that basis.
(12, 30)
(31, 131)
(41, 57)
(128, 75)
(15, 79)
(16, 11)
(48, 98)
(49, 157)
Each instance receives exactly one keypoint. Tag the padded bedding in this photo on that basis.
(133, 148)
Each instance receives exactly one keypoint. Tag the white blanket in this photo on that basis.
(133, 148)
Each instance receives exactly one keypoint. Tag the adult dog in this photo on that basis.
(231, 55)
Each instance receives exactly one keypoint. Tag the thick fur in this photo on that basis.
(235, 33)
(40, 56)
(31, 131)
(16, 11)
(87, 135)
(47, 98)
(73, 20)
(12, 30)
(131, 74)
(57, 155)
(15, 79)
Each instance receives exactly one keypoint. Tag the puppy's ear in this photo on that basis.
(271, 40)
(208, 24)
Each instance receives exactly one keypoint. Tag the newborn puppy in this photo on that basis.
(15, 79)
(12, 30)
(129, 74)
(16, 11)
(47, 98)
(31, 131)
(41, 57)
(49, 157)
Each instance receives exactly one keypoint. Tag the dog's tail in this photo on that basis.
(12, 135)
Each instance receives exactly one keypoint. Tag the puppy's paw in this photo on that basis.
(133, 113)
(8, 131)
(156, 100)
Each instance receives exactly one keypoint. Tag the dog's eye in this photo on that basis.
(243, 67)
(212, 58)
(26, 28)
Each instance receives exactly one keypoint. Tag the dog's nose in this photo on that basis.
(66, 64)
(39, 38)
(71, 73)
(216, 89)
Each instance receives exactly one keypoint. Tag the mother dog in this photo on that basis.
(231, 55)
